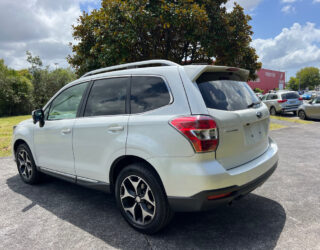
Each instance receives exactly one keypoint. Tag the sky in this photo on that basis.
(286, 32)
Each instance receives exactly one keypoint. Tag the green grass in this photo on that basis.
(295, 120)
(275, 126)
(6, 124)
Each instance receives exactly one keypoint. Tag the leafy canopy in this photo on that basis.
(15, 91)
(46, 82)
(308, 77)
(183, 31)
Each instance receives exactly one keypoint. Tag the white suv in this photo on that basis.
(160, 136)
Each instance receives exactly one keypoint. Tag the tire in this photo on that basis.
(302, 115)
(273, 111)
(138, 190)
(26, 166)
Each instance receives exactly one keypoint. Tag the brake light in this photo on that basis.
(300, 99)
(232, 69)
(201, 131)
(282, 101)
(214, 197)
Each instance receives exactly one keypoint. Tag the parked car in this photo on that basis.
(310, 110)
(307, 96)
(282, 101)
(161, 137)
(259, 95)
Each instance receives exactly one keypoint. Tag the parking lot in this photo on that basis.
(284, 213)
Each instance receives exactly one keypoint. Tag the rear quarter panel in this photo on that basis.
(150, 134)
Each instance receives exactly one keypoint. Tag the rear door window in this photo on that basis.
(107, 97)
(148, 93)
(227, 95)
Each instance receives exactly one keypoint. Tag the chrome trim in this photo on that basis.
(120, 76)
(57, 172)
(86, 179)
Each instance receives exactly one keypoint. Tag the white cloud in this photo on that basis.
(289, 1)
(294, 48)
(40, 26)
(248, 5)
(316, 1)
(288, 9)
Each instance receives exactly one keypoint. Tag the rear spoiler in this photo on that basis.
(195, 71)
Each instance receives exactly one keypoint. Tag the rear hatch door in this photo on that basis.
(292, 100)
(243, 121)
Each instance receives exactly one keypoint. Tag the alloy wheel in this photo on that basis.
(24, 164)
(137, 200)
(273, 111)
(302, 115)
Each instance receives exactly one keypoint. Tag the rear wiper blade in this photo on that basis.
(253, 104)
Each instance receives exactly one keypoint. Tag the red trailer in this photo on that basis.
(269, 80)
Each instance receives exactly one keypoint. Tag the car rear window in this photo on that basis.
(148, 93)
(291, 95)
(226, 94)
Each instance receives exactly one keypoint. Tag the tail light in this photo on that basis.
(300, 99)
(282, 101)
(232, 69)
(214, 197)
(201, 131)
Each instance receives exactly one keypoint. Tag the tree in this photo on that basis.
(15, 91)
(257, 90)
(183, 31)
(46, 82)
(309, 77)
(293, 83)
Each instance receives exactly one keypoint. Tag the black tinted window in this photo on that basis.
(107, 97)
(292, 95)
(148, 93)
(226, 94)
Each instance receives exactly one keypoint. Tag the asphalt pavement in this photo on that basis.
(284, 213)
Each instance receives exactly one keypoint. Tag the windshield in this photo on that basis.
(227, 94)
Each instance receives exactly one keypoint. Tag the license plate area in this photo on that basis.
(255, 132)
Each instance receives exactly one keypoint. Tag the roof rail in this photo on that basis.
(131, 65)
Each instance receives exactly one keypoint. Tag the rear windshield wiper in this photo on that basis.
(253, 104)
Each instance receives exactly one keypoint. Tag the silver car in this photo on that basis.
(282, 101)
(310, 109)
(159, 136)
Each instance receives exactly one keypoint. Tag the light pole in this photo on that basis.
(56, 65)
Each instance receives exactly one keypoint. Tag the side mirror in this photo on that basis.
(38, 116)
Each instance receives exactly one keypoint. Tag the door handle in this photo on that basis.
(66, 131)
(116, 129)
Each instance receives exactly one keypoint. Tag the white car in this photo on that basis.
(161, 137)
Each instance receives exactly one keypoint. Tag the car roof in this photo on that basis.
(156, 67)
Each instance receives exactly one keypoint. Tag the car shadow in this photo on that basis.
(254, 222)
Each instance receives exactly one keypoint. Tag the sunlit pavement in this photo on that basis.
(284, 213)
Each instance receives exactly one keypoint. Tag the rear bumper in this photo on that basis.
(290, 109)
(189, 180)
(200, 202)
